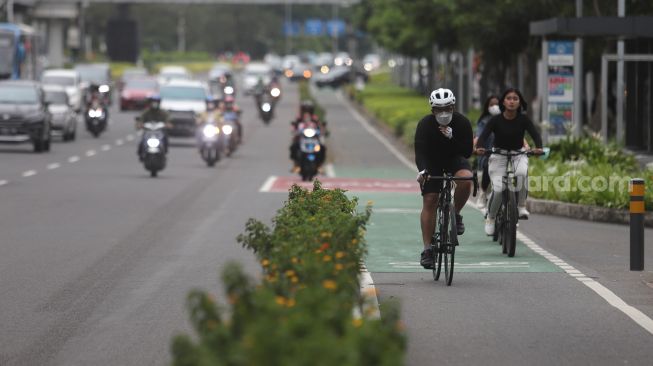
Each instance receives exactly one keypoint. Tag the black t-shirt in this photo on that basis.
(434, 150)
(509, 134)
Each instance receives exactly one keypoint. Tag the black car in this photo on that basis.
(24, 115)
(338, 76)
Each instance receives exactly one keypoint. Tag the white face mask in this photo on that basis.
(494, 110)
(444, 118)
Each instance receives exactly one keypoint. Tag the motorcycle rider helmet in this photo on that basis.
(154, 101)
(442, 98)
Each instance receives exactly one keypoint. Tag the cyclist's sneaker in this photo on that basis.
(489, 226)
(427, 259)
(523, 213)
(460, 226)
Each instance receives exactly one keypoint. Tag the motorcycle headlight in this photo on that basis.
(227, 130)
(275, 92)
(309, 132)
(153, 143)
(228, 90)
(317, 148)
(93, 113)
(210, 131)
(266, 107)
(103, 89)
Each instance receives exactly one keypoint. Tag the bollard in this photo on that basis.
(636, 224)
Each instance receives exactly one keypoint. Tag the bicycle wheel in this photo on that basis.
(443, 238)
(449, 246)
(511, 225)
(435, 245)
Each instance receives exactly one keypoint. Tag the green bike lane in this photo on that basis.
(394, 235)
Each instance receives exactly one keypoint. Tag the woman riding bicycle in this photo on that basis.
(443, 143)
(509, 128)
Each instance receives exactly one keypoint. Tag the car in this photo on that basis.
(183, 99)
(168, 73)
(64, 118)
(371, 62)
(68, 79)
(97, 74)
(218, 71)
(131, 73)
(136, 91)
(275, 62)
(342, 59)
(24, 115)
(323, 62)
(296, 69)
(339, 75)
(252, 73)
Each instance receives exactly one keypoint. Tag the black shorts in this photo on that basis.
(452, 167)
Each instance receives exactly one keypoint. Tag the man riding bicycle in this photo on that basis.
(509, 128)
(443, 143)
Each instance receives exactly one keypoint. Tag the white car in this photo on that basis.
(70, 80)
(253, 72)
(64, 118)
(168, 73)
(184, 99)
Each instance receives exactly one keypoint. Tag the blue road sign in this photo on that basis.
(291, 29)
(335, 27)
(313, 27)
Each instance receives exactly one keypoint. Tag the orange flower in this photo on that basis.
(325, 234)
(280, 300)
(339, 267)
(294, 279)
(265, 262)
(354, 241)
(290, 273)
(294, 260)
(327, 258)
(340, 254)
(290, 303)
(324, 246)
(357, 322)
(329, 284)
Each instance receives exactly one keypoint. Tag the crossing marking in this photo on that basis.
(29, 173)
(90, 153)
(54, 166)
(73, 159)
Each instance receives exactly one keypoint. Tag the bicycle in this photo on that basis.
(505, 224)
(445, 237)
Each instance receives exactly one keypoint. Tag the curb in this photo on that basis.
(584, 212)
(545, 207)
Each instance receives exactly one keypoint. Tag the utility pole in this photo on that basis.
(620, 80)
(578, 78)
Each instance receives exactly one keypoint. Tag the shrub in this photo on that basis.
(301, 313)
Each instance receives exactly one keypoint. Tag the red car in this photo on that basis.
(136, 91)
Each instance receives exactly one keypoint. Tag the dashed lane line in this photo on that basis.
(119, 142)
(129, 137)
(3, 182)
(90, 153)
(106, 147)
(54, 166)
(29, 173)
(73, 159)
(268, 184)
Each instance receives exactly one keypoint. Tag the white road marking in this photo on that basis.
(330, 172)
(90, 153)
(372, 131)
(29, 173)
(268, 184)
(54, 166)
(119, 142)
(3, 182)
(106, 147)
(73, 159)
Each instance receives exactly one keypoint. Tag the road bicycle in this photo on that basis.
(445, 236)
(505, 224)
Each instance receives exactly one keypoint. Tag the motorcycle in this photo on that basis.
(96, 118)
(154, 149)
(309, 150)
(266, 109)
(210, 143)
(230, 132)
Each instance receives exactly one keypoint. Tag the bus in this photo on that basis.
(18, 52)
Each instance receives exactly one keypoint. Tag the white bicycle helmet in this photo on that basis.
(442, 98)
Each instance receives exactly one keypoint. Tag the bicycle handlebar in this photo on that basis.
(509, 153)
(454, 178)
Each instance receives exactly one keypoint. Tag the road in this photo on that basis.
(96, 257)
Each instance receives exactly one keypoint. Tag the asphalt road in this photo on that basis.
(96, 257)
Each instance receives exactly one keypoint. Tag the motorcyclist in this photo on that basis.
(153, 112)
(306, 118)
(229, 106)
(95, 99)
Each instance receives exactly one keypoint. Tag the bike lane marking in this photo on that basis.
(394, 239)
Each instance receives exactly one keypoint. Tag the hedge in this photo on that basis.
(301, 311)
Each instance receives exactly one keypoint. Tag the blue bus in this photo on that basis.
(19, 52)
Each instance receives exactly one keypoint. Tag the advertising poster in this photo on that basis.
(560, 86)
